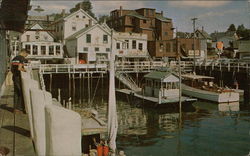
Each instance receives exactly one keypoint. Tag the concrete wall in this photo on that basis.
(63, 131)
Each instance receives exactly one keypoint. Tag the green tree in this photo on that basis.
(231, 28)
(86, 5)
(241, 30)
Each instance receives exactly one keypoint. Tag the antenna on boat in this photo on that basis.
(112, 115)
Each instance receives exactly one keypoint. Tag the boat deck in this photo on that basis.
(14, 130)
(154, 99)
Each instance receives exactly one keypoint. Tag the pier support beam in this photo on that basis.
(247, 88)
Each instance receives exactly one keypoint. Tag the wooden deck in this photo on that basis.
(14, 134)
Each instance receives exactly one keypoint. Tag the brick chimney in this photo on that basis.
(120, 10)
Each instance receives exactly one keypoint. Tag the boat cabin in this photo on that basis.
(161, 85)
(198, 81)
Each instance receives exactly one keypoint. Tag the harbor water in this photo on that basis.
(204, 129)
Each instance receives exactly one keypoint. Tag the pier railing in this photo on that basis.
(226, 65)
(69, 68)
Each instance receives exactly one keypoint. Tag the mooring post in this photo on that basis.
(50, 85)
(88, 89)
(69, 85)
(80, 88)
(59, 95)
(102, 87)
(74, 89)
(247, 88)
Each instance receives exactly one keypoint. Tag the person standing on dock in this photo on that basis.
(17, 65)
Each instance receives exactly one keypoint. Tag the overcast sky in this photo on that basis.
(212, 15)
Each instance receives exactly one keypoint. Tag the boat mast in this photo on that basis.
(179, 69)
(112, 115)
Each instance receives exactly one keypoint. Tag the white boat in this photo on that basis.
(202, 87)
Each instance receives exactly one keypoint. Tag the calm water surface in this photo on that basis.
(205, 129)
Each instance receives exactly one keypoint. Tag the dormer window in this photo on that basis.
(77, 16)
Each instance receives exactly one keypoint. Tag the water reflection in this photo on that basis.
(204, 129)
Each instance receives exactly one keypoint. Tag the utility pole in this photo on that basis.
(194, 19)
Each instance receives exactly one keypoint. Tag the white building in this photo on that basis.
(40, 44)
(131, 45)
(91, 44)
(72, 23)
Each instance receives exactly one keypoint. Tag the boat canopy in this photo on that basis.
(196, 77)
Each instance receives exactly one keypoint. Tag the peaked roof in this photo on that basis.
(159, 74)
(85, 30)
(162, 18)
(73, 13)
(42, 28)
(136, 14)
(203, 33)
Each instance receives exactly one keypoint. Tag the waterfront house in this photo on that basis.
(89, 45)
(159, 29)
(244, 48)
(40, 44)
(71, 23)
(131, 46)
(226, 37)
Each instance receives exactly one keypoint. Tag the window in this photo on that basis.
(161, 47)
(43, 50)
(28, 38)
(61, 28)
(73, 26)
(105, 38)
(144, 21)
(51, 50)
(58, 50)
(27, 47)
(107, 49)
(35, 50)
(134, 44)
(37, 35)
(88, 38)
(118, 46)
(96, 48)
(168, 47)
(174, 47)
(183, 46)
(85, 48)
(124, 45)
(83, 16)
(127, 41)
(46, 38)
(140, 46)
(77, 16)
(86, 25)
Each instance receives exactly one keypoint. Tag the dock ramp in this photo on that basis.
(127, 81)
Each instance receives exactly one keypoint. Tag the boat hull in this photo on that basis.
(224, 97)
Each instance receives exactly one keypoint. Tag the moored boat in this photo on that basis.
(202, 87)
